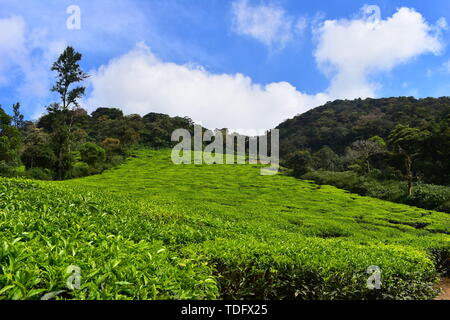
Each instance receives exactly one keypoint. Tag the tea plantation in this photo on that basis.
(152, 230)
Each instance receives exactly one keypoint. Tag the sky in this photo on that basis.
(241, 64)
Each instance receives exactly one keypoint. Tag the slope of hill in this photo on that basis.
(153, 230)
(337, 124)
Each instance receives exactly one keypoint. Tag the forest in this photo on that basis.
(68, 142)
(396, 149)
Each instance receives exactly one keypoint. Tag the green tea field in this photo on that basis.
(150, 229)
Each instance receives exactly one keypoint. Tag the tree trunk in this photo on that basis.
(60, 164)
(409, 174)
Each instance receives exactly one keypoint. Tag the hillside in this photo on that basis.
(152, 230)
(342, 122)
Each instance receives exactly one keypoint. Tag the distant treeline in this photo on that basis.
(67, 142)
(394, 138)
(97, 141)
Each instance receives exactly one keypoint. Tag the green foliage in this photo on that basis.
(7, 170)
(431, 197)
(40, 156)
(425, 196)
(158, 129)
(301, 162)
(327, 159)
(80, 169)
(92, 154)
(107, 113)
(10, 139)
(154, 230)
(408, 139)
(313, 269)
(417, 128)
(69, 72)
(112, 147)
(17, 118)
(39, 173)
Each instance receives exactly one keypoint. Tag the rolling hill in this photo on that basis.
(339, 123)
(152, 230)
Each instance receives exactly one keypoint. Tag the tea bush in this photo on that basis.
(153, 230)
(431, 197)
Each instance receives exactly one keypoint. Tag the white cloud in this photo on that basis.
(12, 45)
(301, 25)
(268, 24)
(26, 55)
(350, 51)
(442, 23)
(139, 82)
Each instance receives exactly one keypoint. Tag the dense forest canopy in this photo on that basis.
(402, 138)
(67, 142)
(338, 124)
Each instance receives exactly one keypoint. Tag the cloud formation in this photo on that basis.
(268, 24)
(351, 51)
(26, 54)
(139, 82)
(348, 51)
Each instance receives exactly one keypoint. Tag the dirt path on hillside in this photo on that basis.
(445, 286)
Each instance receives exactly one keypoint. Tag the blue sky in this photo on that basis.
(243, 64)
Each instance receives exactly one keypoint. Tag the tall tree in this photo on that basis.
(301, 162)
(362, 151)
(69, 73)
(10, 139)
(409, 144)
(18, 118)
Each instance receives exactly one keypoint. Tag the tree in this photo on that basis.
(361, 151)
(327, 159)
(69, 73)
(10, 139)
(18, 118)
(111, 113)
(408, 143)
(112, 146)
(38, 152)
(92, 154)
(301, 162)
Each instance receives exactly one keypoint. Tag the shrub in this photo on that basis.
(301, 162)
(80, 169)
(92, 154)
(38, 156)
(39, 174)
(116, 160)
(430, 197)
(311, 269)
(6, 170)
(139, 232)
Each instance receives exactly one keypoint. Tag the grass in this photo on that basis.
(153, 230)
